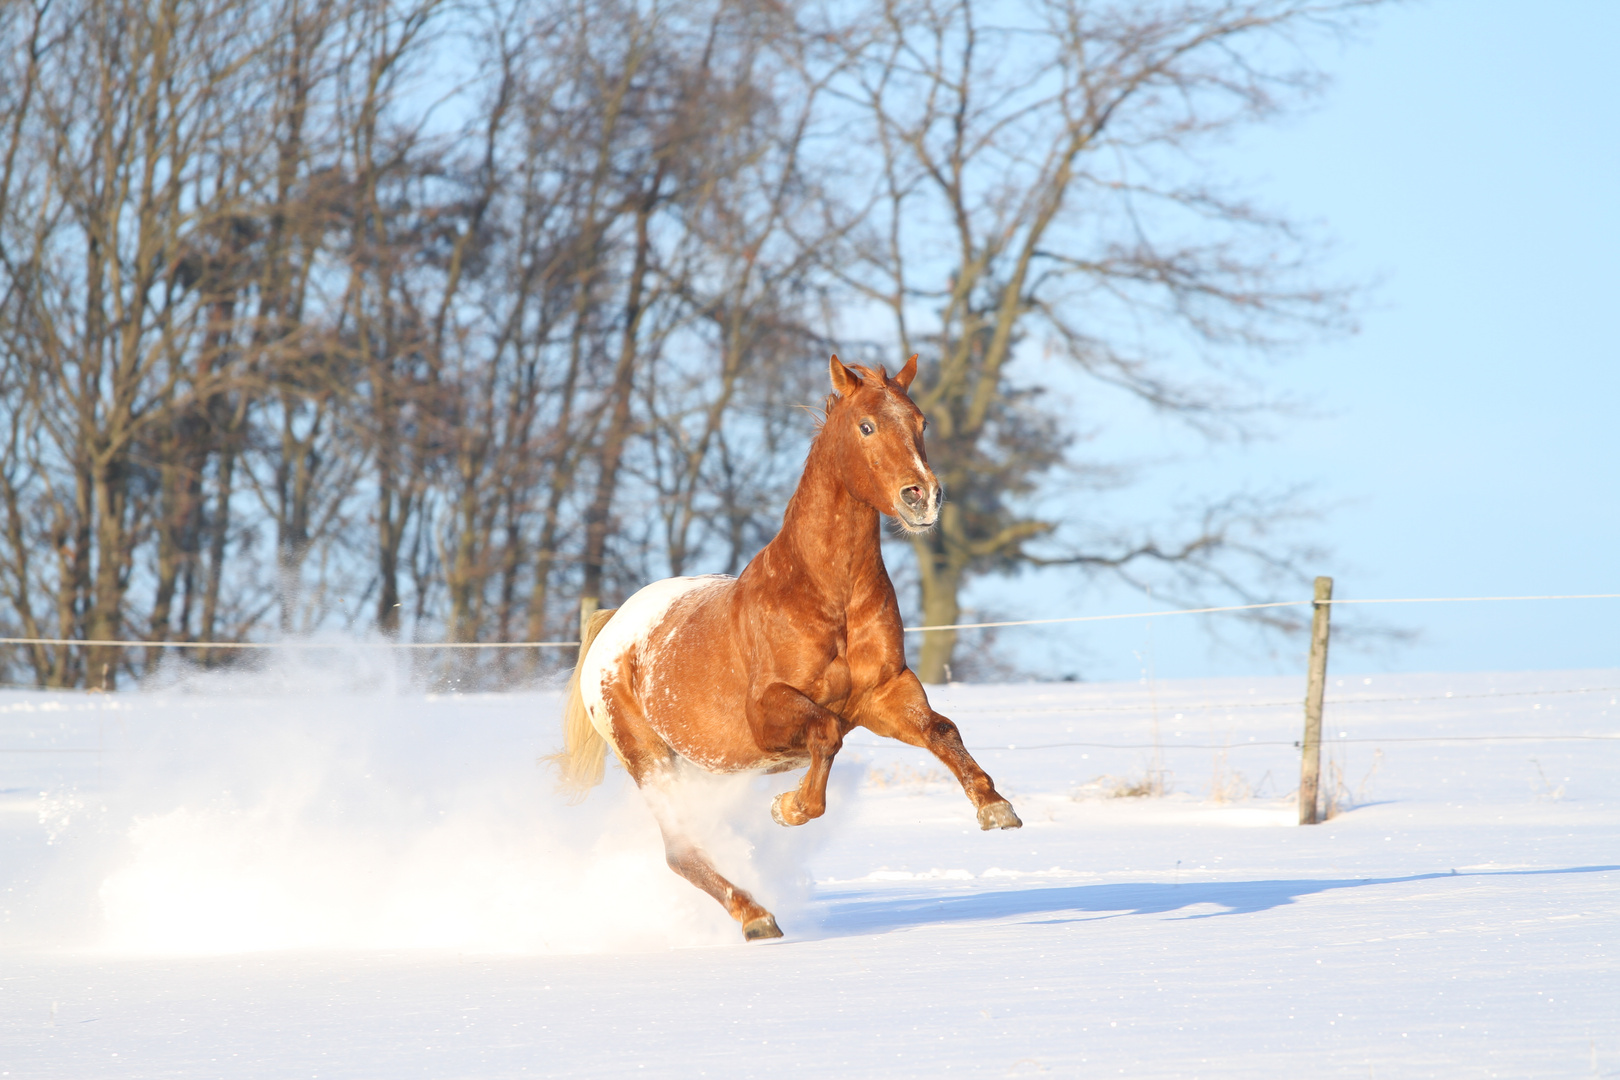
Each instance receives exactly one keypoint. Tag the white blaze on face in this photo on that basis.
(629, 628)
(902, 420)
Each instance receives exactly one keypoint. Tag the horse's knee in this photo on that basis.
(824, 738)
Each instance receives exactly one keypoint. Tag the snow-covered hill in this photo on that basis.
(235, 879)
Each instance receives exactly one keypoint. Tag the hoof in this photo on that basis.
(998, 815)
(779, 812)
(761, 929)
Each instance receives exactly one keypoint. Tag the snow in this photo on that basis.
(305, 874)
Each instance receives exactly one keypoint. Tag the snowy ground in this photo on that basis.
(238, 880)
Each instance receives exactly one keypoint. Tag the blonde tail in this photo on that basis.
(582, 760)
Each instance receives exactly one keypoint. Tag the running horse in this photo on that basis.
(771, 669)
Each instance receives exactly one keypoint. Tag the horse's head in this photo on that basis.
(877, 435)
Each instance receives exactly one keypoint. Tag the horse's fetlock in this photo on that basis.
(785, 809)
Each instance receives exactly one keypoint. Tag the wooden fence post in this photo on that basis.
(1310, 763)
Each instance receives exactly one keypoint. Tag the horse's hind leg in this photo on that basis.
(651, 763)
(692, 863)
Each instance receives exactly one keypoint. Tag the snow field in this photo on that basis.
(238, 880)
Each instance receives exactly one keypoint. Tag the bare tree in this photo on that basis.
(750, 279)
(293, 333)
(640, 80)
(1034, 182)
(131, 136)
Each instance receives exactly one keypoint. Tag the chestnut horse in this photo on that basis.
(771, 669)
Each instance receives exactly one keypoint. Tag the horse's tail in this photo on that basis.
(583, 758)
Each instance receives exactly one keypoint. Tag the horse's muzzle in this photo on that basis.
(918, 505)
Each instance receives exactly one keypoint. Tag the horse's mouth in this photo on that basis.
(914, 521)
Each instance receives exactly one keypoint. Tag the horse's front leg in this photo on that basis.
(787, 717)
(899, 709)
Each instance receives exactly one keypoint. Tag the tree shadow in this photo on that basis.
(852, 915)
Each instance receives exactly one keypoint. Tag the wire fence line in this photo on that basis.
(1291, 703)
(1309, 746)
(50, 750)
(1257, 607)
(292, 644)
(1161, 746)
(1165, 745)
(1167, 612)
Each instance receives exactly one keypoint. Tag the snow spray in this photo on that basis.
(293, 809)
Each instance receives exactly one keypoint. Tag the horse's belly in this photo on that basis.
(729, 757)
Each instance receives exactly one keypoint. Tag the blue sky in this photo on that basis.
(1467, 159)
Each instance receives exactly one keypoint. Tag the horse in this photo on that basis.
(768, 671)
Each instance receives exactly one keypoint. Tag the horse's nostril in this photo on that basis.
(912, 496)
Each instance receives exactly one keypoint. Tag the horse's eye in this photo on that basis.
(867, 429)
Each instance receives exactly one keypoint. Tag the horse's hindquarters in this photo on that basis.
(659, 679)
(667, 661)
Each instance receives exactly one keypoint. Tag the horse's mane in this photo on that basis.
(818, 415)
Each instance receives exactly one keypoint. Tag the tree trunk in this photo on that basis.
(942, 564)
(106, 612)
(618, 432)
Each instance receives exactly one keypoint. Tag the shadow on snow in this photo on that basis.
(864, 914)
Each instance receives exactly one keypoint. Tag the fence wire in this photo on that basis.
(120, 643)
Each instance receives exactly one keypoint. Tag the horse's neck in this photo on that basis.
(827, 534)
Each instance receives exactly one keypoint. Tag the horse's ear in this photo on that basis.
(843, 380)
(907, 373)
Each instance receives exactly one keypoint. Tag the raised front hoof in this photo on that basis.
(785, 811)
(761, 929)
(998, 815)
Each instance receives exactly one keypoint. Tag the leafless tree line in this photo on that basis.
(453, 322)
